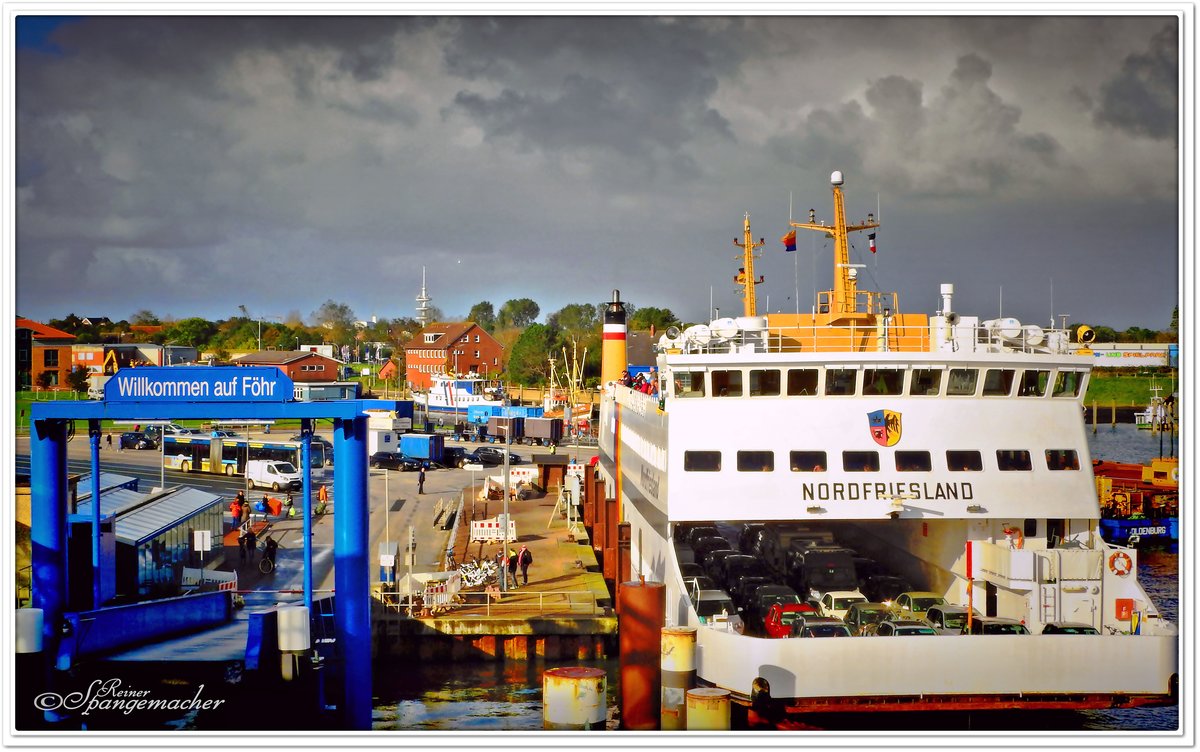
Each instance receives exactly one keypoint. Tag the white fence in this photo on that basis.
(492, 531)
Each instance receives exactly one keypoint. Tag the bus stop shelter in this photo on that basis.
(225, 393)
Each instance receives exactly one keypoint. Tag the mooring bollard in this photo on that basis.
(643, 608)
(708, 709)
(678, 665)
(574, 698)
(294, 636)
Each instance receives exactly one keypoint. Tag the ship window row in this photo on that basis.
(845, 382)
(868, 461)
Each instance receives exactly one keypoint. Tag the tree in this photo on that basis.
(337, 319)
(193, 332)
(77, 379)
(576, 319)
(1175, 321)
(659, 318)
(528, 361)
(44, 378)
(483, 314)
(519, 313)
(145, 318)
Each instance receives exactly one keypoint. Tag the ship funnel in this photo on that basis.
(613, 352)
(947, 298)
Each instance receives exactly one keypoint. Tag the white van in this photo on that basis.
(273, 474)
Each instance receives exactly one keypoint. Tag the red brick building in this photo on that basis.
(299, 366)
(42, 348)
(462, 347)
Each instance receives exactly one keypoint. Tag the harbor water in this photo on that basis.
(507, 696)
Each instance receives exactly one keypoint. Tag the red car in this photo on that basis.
(779, 618)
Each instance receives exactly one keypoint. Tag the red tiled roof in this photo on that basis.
(41, 331)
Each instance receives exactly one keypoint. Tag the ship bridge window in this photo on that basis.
(1067, 384)
(998, 382)
(883, 381)
(1034, 383)
(926, 381)
(1062, 459)
(860, 462)
(727, 383)
(962, 382)
(1013, 460)
(964, 460)
(755, 461)
(802, 382)
(689, 383)
(764, 383)
(913, 462)
(808, 462)
(702, 462)
(840, 381)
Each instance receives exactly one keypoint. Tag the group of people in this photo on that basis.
(508, 564)
(646, 383)
(239, 509)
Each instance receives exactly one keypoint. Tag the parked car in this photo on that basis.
(900, 628)
(947, 619)
(764, 596)
(835, 603)
(137, 440)
(700, 531)
(454, 456)
(1069, 627)
(914, 604)
(883, 588)
(690, 569)
(394, 461)
(741, 565)
(168, 429)
(714, 562)
(706, 544)
(741, 587)
(716, 609)
(822, 626)
(495, 456)
(696, 583)
(780, 618)
(995, 625)
(864, 614)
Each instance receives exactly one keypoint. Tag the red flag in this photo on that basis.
(871, 238)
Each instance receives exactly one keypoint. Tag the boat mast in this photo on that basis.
(845, 283)
(745, 275)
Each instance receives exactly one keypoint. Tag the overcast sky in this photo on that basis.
(192, 165)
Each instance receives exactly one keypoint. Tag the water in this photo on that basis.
(507, 697)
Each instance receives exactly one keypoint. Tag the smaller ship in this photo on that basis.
(1156, 415)
(455, 394)
(1139, 504)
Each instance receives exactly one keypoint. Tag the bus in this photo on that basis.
(195, 453)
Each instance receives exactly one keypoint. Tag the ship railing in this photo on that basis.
(493, 604)
(1004, 564)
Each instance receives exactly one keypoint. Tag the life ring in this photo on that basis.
(1120, 564)
(1018, 537)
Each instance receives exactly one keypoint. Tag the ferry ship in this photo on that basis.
(950, 450)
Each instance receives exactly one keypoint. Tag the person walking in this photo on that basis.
(524, 559)
(421, 480)
(512, 566)
(108, 440)
(241, 549)
(251, 545)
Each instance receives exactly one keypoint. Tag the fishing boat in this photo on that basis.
(950, 450)
(1139, 504)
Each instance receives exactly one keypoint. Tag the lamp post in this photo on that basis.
(504, 524)
(297, 343)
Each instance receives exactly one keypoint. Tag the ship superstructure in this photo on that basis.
(948, 449)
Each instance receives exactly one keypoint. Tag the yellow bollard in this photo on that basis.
(708, 709)
(678, 665)
(574, 698)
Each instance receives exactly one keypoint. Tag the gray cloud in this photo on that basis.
(177, 163)
(1141, 99)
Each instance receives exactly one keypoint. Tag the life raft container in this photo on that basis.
(1120, 564)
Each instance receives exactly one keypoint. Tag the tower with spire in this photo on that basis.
(423, 302)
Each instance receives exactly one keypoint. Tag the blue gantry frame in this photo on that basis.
(48, 482)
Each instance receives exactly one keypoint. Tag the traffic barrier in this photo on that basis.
(491, 531)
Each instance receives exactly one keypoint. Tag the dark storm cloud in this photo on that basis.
(1141, 99)
(647, 83)
(965, 140)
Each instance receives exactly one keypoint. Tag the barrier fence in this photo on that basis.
(485, 605)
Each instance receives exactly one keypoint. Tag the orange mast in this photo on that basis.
(745, 275)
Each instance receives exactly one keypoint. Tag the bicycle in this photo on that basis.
(266, 563)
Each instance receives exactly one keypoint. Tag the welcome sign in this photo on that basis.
(199, 384)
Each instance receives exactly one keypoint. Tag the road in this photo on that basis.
(394, 502)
